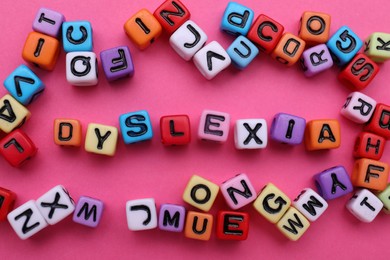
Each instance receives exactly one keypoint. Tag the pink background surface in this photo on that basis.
(165, 84)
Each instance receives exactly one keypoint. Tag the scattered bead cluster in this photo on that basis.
(189, 41)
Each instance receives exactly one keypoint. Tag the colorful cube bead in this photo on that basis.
(136, 126)
(378, 46)
(117, 63)
(101, 139)
(369, 145)
(67, 132)
(188, 39)
(81, 68)
(200, 193)
(143, 29)
(358, 107)
(24, 85)
(175, 130)
(198, 225)
(289, 49)
(17, 148)
(333, 183)
(171, 217)
(88, 211)
(272, 203)
(238, 191)
(316, 59)
(266, 33)
(171, 15)
(359, 72)
(55, 205)
(232, 225)
(26, 220)
(250, 134)
(12, 114)
(310, 204)
(364, 205)
(242, 52)
(77, 36)
(237, 19)
(48, 22)
(141, 214)
(344, 45)
(384, 196)
(211, 60)
(288, 129)
(370, 174)
(41, 50)
(7, 202)
(214, 126)
(293, 224)
(314, 27)
(380, 121)
(322, 134)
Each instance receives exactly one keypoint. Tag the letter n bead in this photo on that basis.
(175, 130)
(117, 63)
(288, 129)
(322, 134)
(7, 202)
(77, 36)
(81, 68)
(136, 126)
(200, 193)
(198, 225)
(67, 132)
(370, 174)
(364, 205)
(237, 19)
(289, 49)
(171, 217)
(250, 134)
(378, 47)
(242, 52)
(48, 22)
(214, 126)
(358, 107)
(101, 139)
(238, 191)
(316, 59)
(315, 27)
(88, 211)
(171, 15)
(141, 214)
(310, 204)
(12, 114)
(369, 145)
(380, 121)
(333, 183)
(293, 224)
(232, 225)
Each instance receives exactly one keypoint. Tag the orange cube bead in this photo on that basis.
(370, 174)
(143, 29)
(315, 28)
(322, 134)
(41, 50)
(198, 225)
(289, 49)
(67, 132)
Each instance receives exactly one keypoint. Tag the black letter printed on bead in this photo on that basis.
(101, 139)
(86, 61)
(165, 14)
(227, 225)
(28, 214)
(88, 212)
(246, 193)
(279, 200)
(345, 36)
(146, 209)
(121, 61)
(357, 70)
(209, 123)
(129, 122)
(82, 39)
(200, 200)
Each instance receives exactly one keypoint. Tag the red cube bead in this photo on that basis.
(380, 121)
(266, 33)
(369, 145)
(7, 201)
(17, 148)
(171, 15)
(232, 225)
(359, 72)
(175, 130)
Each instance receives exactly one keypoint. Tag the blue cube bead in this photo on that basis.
(135, 126)
(242, 52)
(77, 36)
(24, 85)
(288, 129)
(237, 19)
(344, 45)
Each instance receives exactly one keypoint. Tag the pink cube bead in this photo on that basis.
(238, 191)
(214, 126)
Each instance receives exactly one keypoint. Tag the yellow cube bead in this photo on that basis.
(272, 203)
(200, 193)
(101, 139)
(378, 46)
(12, 114)
(293, 224)
(384, 196)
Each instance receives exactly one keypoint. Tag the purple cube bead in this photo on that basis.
(316, 59)
(288, 128)
(48, 22)
(333, 183)
(117, 63)
(88, 211)
(171, 217)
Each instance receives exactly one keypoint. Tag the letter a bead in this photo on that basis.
(237, 19)
(101, 139)
(358, 107)
(370, 174)
(7, 202)
(378, 47)
(48, 22)
(200, 193)
(293, 224)
(322, 134)
(67, 132)
(141, 214)
(364, 205)
(88, 211)
(12, 114)
(214, 126)
(333, 183)
(238, 191)
(198, 225)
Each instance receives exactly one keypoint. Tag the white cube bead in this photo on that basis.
(81, 68)
(364, 205)
(26, 220)
(188, 39)
(211, 60)
(358, 107)
(250, 134)
(310, 204)
(55, 205)
(141, 214)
